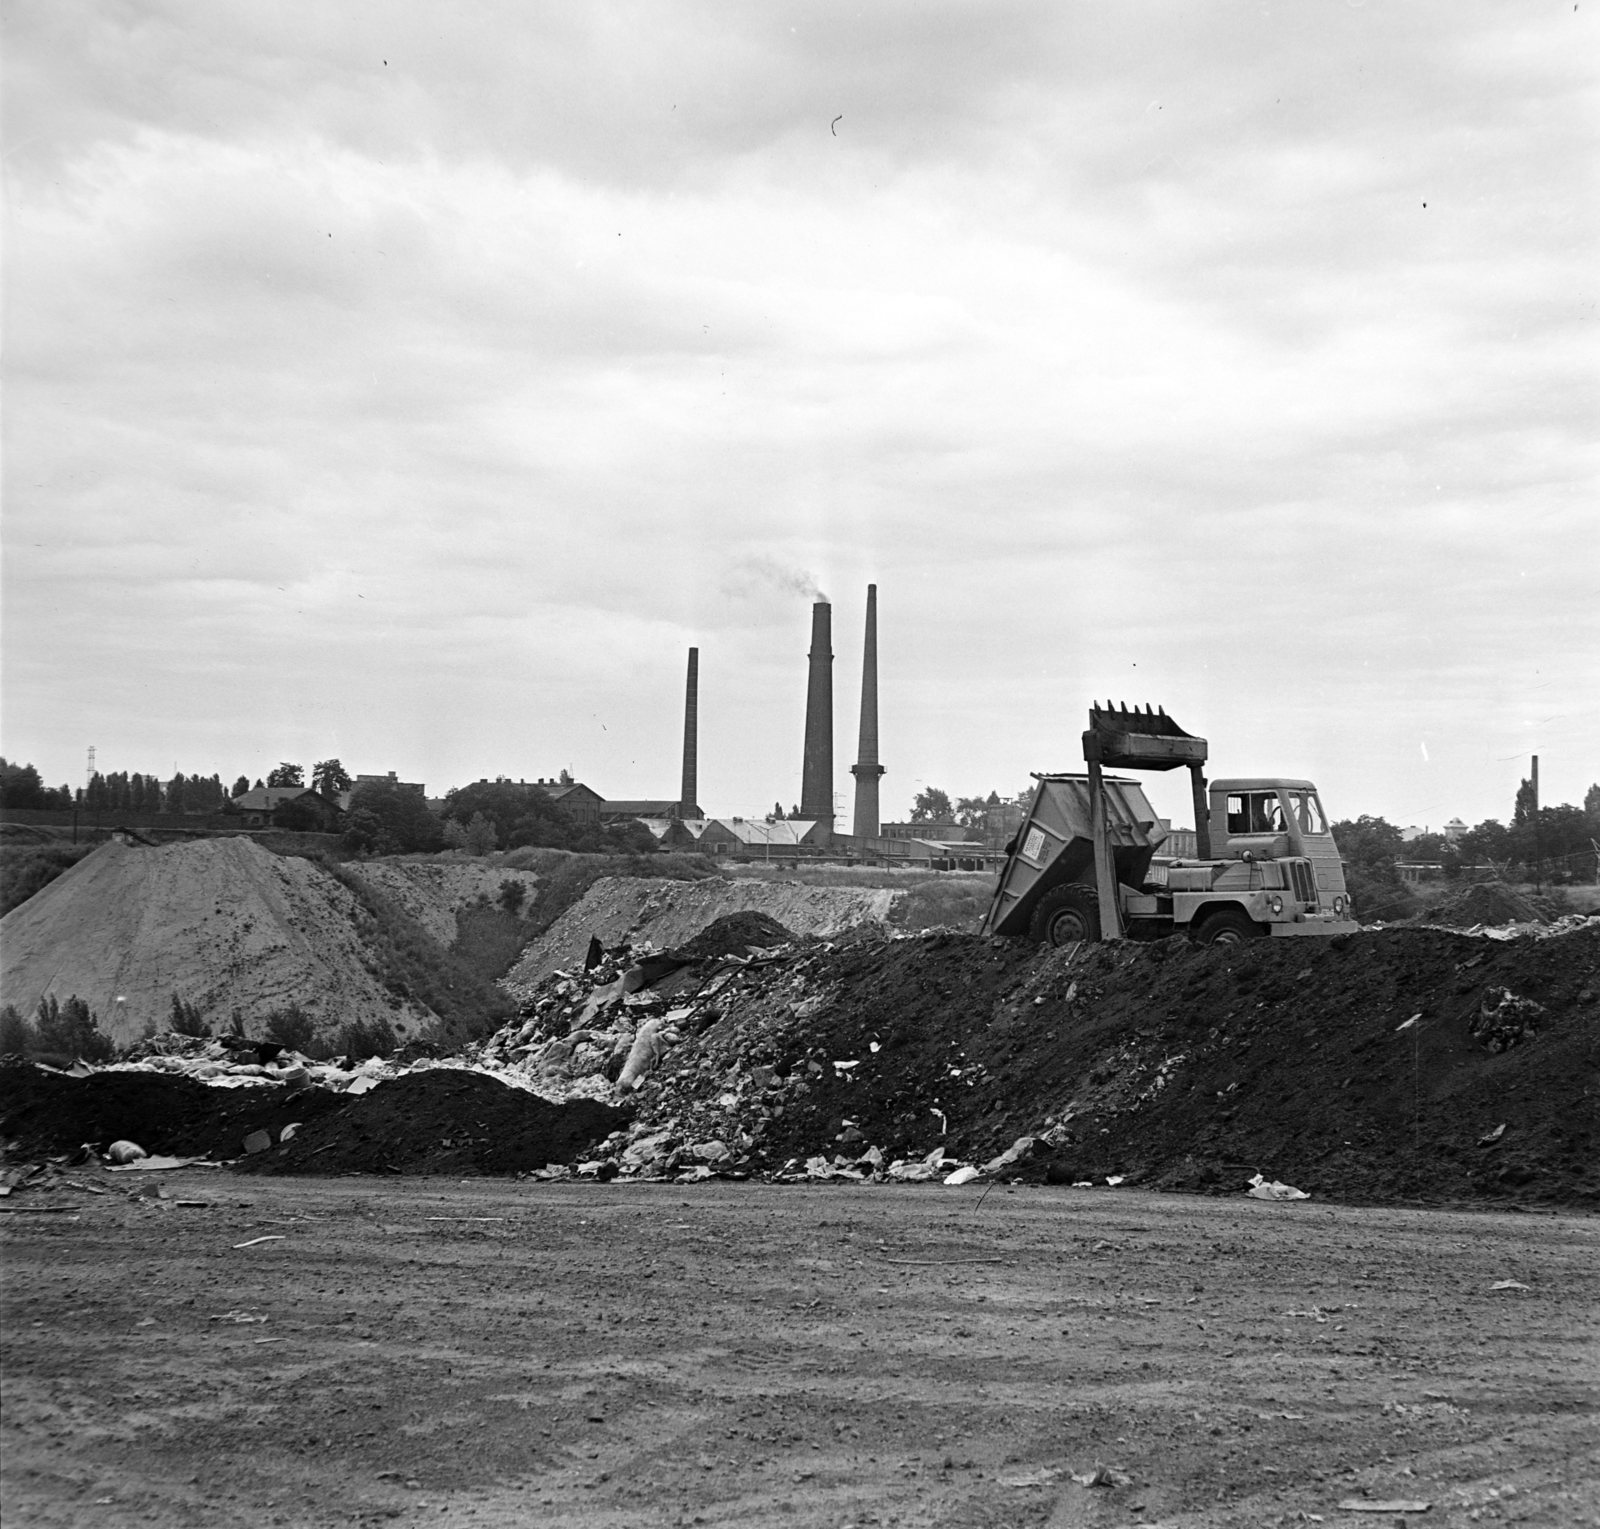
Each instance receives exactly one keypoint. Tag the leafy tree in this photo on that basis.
(1371, 844)
(481, 835)
(16, 1034)
(1526, 804)
(1487, 844)
(287, 774)
(932, 806)
(971, 811)
(388, 818)
(1591, 806)
(178, 793)
(330, 777)
(240, 786)
(186, 1019)
(298, 816)
(71, 1028)
(20, 786)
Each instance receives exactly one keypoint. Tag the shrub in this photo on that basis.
(511, 895)
(24, 871)
(360, 1039)
(16, 1034)
(186, 1018)
(72, 1028)
(292, 1028)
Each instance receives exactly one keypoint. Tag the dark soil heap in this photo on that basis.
(1485, 902)
(733, 934)
(1179, 1066)
(441, 1121)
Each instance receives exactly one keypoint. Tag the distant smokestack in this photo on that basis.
(816, 779)
(688, 805)
(866, 769)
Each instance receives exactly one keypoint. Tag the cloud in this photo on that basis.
(442, 401)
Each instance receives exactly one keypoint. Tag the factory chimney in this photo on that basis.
(688, 806)
(816, 778)
(866, 769)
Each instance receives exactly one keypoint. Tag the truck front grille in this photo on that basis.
(1305, 883)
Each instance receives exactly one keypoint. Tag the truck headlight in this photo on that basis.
(1338, 907)
(1276, 904)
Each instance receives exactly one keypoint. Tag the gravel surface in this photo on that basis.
(490, 1353)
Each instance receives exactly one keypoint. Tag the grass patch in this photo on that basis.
(413, 965)
(489, 938)
(564, 877)
(29, 868)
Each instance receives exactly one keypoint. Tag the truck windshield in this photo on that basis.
(1308, 812)
(1255, 812)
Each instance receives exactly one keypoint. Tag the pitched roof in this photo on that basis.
(266, 798)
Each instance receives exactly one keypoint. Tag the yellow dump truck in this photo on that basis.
(1086, 862)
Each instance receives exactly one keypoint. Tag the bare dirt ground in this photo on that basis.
(437, 1352)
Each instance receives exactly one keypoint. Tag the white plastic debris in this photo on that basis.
(1509, 1284)
(1261, 1189)
(125, 1151)
(961, 1175)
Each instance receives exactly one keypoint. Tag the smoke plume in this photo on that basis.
(764, 570)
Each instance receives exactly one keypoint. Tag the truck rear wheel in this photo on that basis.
(1228, 926)
(1065, 916)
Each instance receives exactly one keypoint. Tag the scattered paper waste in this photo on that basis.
(1493, 1136)
(271, 1237)
(288, 1132)
(257, 1141)
(162, 1164)
(1015, 1153)
(1391, 1505)
(1509, 1284)
(1042, 1477)
(1504, 1020)
(125, 1151)
(961, 1176)
(1408, 1024)
(1261, 1189)
(237, 1316)
(1115, 1179)
(1103, 1476)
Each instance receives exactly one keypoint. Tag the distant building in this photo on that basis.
(577, 800)
(1454, 829)
(951, 833)
(267, 806)
(617, 811)
(753, 836)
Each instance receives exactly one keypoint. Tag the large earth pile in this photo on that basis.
(632, 910)
(1370, 1067)
(230, 927)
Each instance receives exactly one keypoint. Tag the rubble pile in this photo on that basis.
(1401, 1064)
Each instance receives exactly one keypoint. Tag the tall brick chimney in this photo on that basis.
(866, 769)
(816, 779)
(688, 806)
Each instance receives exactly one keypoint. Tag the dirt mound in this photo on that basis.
(224, 923)
(42, 1112)
(632, 910)
(1169, 1064)
(733, 934)
(444, 1121)
(1485, 902)
(447, 1120)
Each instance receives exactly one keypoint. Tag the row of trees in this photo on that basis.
(1554, 842)
(389, 818)
(120, 791)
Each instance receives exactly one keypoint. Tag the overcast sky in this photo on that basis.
(415, 383)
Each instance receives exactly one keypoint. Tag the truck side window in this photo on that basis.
(1238, 818)
(1309, 812)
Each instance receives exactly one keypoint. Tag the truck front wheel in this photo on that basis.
(1065, 916)
(1228, 926)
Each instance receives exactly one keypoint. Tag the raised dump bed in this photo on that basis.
(1055, 845)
